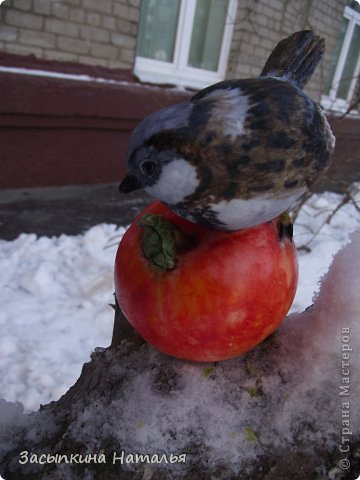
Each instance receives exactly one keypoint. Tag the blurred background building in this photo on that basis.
(76, 76)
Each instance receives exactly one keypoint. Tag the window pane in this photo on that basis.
(207, 34)
(157, 29)
(335, 58)
(350, 65)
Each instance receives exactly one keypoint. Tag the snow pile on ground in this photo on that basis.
(54, 294)
(323, 239)
(278, 405)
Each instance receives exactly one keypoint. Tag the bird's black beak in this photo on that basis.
(129, 184)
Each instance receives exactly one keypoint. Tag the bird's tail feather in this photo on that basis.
(296, 57)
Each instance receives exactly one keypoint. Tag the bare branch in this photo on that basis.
(348, 197)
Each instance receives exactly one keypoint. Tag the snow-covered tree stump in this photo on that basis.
(289, 409)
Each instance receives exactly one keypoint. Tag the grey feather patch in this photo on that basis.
(168, 118)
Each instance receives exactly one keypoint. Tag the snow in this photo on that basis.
(54, 310)
(324, 240)
(54, 296)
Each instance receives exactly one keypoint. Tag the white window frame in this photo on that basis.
(178, 72)
(330, 101)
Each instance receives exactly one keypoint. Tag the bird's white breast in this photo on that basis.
(237, 214)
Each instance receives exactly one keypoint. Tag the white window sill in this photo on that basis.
(157, 72)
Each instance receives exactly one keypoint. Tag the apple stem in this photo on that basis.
(162, 240)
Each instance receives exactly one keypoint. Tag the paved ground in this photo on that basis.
(71, 210)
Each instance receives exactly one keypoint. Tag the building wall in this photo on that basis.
(103, 32)
(56, 131)
(93, 32)
(260, 24)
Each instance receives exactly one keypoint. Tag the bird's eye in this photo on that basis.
(147, 167)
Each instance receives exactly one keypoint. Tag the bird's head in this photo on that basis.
(152, 159)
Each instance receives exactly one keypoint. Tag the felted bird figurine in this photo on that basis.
(240, 152)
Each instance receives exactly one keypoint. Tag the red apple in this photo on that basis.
(212, 295)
